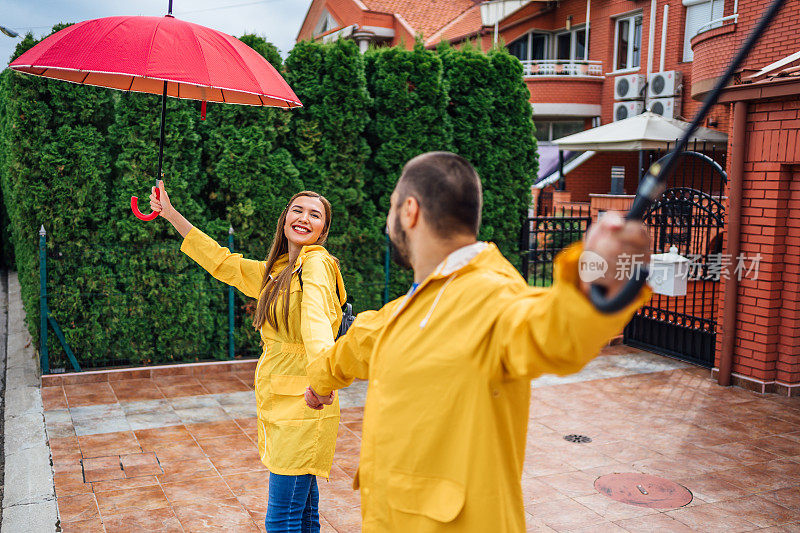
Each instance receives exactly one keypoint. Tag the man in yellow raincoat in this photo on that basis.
(449, 365)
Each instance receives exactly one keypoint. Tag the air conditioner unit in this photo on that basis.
(666, 107)
(623, 110)
(628, 87)
(662, 84)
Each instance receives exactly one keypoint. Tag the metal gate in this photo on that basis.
(690, 216)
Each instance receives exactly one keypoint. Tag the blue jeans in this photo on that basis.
(293, 505)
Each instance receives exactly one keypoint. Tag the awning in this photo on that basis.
(647, 131)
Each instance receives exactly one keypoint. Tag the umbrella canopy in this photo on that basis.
(159, 55)
(647, 131)
(141, 53)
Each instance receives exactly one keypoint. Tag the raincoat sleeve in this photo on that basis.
(316, 308)
(349, 357)
(556, 330)
(244, 274)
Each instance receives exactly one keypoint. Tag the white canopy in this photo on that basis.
(647, 131)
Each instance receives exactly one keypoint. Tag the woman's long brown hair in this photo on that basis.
(272, 288)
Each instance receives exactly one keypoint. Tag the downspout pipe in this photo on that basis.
(738, 149)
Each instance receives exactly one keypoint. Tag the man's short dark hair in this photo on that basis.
(448, 190)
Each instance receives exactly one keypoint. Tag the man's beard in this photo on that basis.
(399, 245)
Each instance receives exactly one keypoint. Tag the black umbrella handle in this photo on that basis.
(134, 200)
(653, 183)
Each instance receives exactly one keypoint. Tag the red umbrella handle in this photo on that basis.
(138, 214)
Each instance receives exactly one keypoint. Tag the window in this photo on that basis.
(571, 45)
(530, 46)
(325, 23)
(519, 48)
(546, 131)
(628, 36)
(698, 14)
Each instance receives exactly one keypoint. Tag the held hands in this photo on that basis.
(616, 244)
(315, 401)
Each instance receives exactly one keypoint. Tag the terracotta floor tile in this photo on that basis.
(254, 501)
(77, 508)
(224, 516)
(89, 394)
(250, 427)
(183, 386)
(238, 462)
(124, 484)
(208, 430)
(759, 511)
(565, 514)
(102, 468)
(53, 398)
(140, 464)
(70, 484)
(161, 520)
(64, 445)
(535, 491)
(604, 527)
(656, 523)
(221, 446)
(104, 444)
(211, 489)
(788, 497)
(571, 484)
(179, 450)
(778, 445)
(612, 510)
(135, 390)
(711, 518)
(626, 451)
(247, 482)
(247, 377)
(167, 433)
(189, 469)
(542, 464)
(93, 525)
(712, 488)
(223, 385)
(64, 463)
(131, 500)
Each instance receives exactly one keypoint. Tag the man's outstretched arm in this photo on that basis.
(346, 360)
(558, 330)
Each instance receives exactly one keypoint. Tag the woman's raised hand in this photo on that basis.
(164, 207)
(161, 202)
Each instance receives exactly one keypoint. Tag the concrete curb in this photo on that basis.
(29, 499)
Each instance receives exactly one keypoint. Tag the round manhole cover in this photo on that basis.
(643, 490)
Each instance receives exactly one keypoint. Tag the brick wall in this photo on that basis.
(768, 323)
(546, 89)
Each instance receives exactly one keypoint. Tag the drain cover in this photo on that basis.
(643, 490)
(577, 438)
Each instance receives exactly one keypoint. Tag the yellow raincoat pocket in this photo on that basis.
(288, 404)
(436, 498)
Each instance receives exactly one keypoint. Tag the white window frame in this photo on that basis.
(687, 55)
(631, 17)
(573, 42)
(548, 46)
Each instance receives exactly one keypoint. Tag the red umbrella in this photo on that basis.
(159, 55)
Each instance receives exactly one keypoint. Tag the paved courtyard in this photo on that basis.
(178, 452)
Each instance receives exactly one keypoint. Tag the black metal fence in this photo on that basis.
(546, 234)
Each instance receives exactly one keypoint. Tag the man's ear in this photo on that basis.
(410, 212)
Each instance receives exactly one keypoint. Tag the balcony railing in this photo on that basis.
(716, 23)
(563, 67)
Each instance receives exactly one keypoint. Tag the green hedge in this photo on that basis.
(71, 157)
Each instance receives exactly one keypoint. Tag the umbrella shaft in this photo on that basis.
(161, 141)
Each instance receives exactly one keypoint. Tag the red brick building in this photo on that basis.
(574, 54)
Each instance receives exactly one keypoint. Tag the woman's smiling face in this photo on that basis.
(305, 221)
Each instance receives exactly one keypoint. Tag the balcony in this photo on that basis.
(713, 47)
(562, 67)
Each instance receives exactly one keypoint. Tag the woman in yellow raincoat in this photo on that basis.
(300, 293)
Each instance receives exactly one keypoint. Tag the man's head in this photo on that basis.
(439, 193)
